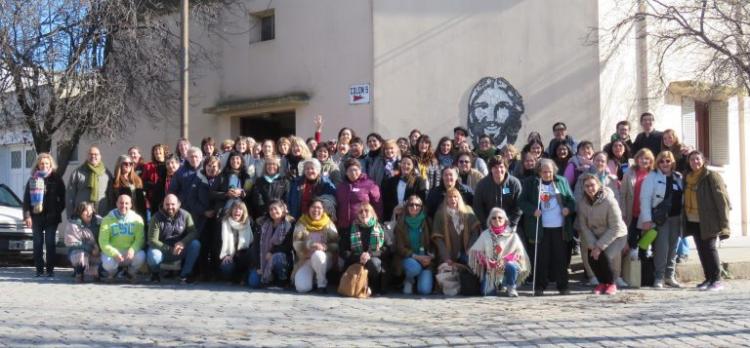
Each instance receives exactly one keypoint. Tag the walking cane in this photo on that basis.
(536, 235)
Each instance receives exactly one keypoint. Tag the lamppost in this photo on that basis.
(185, 75)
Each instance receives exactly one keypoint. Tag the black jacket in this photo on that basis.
(437, 194)
(488, 195)
(54, 200)
(263, 192)
(390, 193)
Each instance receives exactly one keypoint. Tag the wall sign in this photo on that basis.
(359, 94)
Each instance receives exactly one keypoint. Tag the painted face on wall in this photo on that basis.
(495, 109)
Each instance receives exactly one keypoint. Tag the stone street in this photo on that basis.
(55, 312)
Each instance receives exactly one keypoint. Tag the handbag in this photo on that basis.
(660, 212)
(448, 280)
(354, 282)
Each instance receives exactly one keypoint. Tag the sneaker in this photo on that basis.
(672, 283)
(593, 281)
(183, 281)
(511, 291)
(408, 288)
(599, 289)
(704, 285)
(611, 289)
(621, 283)
(716, 286)
(50, 274)
(658, 284)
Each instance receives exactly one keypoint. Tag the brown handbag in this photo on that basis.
(354, 282)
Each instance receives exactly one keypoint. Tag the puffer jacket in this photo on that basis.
(653, 190)
(349, 195)
(600, 222)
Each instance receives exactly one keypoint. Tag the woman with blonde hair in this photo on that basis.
(127, 182)
(43, 203)
(366, 241)
(283, 145)
(385, 165)
(671, 142)
(81, 234)
(454, 229)
(291, 164)
(236, 237)
(630, 197)
(275, 248)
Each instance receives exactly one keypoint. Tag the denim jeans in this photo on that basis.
(155, 257)
(510, 275)
(43, 238)
(683, 246)
(414, 270)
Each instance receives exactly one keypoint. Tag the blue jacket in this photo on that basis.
(191, 187)
(324, 187)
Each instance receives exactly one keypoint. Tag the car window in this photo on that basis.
(8, 199)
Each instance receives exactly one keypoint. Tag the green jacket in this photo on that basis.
(529, 202)
(713, 206)
(119, 233)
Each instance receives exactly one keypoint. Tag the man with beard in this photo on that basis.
(495, 109)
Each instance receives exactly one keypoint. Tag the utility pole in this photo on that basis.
(185, 74)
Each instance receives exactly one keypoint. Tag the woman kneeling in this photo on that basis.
(80, 238)
(315, 244)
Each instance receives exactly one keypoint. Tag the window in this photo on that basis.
(15, 160)
(262, 26)
(30, 158)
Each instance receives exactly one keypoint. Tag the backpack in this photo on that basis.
(354, 282)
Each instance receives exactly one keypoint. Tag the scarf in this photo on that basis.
(691, 195)
(486, 154)
(36, 190)
(93, 182)
(376, 236)
(390, 165)
(499, 230)
(271, 236)
(315, 225)
(270, 179)
(293, 162)
(597, 196)
(414, 227)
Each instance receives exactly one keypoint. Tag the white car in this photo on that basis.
(15, 237)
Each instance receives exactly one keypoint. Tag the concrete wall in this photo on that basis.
(428, 58)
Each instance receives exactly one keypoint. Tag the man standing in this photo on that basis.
(650, 138)
(191, 188)
(91, 182)
(172, 237)
(498, 190)
(560, 131)
(121, 239)
(459, 136)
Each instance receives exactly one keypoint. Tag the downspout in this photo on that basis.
(641, 59)
(743, 163)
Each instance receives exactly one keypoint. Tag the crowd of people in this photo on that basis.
(296, 213)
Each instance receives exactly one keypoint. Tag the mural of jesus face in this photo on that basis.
(495, 109)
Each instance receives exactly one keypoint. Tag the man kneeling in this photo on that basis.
(172, 237)
(121, 239)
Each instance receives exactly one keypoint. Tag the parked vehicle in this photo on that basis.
(15, 239)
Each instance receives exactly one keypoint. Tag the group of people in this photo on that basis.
(455, 219)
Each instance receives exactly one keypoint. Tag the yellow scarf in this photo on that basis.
(315, 225)
(691, 195)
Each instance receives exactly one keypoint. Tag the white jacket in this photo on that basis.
(230, 229)
(653, 190)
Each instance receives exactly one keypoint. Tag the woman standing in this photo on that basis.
(436, 195)
(311, 185)
(603, 232)
(356, 189)
(527, 167)
(283, 145)
(128, 182)
(428, 166)
(316, 245)
(397, 189)
(477, 163)
(670, 142)
(630, 197)
(547, 205)
(271, 186)
(81, 234)
(467, 174)
(366, 240)
(181, 149)
(486, 148)
(706, 216)
(498, 257)
(618, 152)
(276, 230)
(154, 172)
(43, 203)
(444, 153)
(385, 166)
(414, 250)
(234, 181)
(580, 163)
(511, 154)
(375, 149)
(328, 166)
(455, 228)
(135, 154)
(291, 165)
(664, 187)
(561, 155)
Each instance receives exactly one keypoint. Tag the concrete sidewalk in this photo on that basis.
(734, 254)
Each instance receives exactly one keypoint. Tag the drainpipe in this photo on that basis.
(743, 163)
(641, 59)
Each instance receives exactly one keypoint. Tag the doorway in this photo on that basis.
(268, 126)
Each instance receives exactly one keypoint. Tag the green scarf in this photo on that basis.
(376, 235)
(93, 182)
(414, 226)
(486, 154)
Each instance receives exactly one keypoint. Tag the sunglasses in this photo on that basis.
(414, 205)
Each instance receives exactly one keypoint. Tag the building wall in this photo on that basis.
(428, 56)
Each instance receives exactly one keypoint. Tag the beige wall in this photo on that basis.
(427, 59)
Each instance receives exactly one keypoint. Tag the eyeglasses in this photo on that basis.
(414, 205)
(559, 129)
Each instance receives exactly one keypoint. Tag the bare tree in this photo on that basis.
(74, 68)
(714, 34)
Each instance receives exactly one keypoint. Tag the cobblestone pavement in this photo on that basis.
(56, 312)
